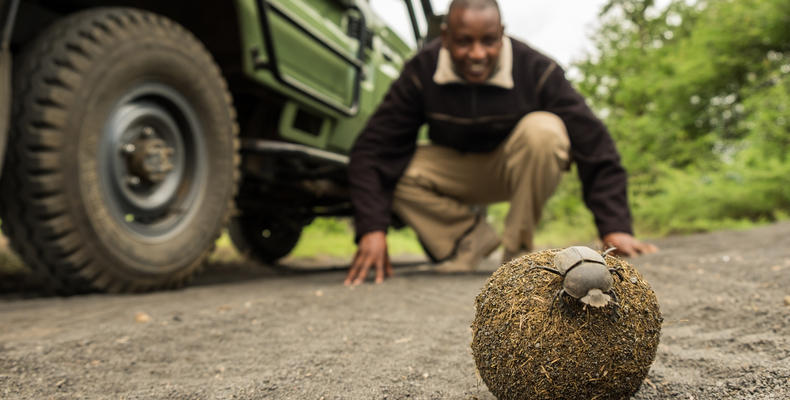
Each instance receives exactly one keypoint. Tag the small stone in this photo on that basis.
(142, 318)
(633, 280)
(319, 293)
(787, 301)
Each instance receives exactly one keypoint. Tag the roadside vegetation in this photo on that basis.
(697, 97)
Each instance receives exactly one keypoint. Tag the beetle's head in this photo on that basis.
(596, 298)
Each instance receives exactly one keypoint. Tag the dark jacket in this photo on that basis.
(477, 118)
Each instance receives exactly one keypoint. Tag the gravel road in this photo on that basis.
(246, 332)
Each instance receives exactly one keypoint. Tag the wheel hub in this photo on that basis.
(152, 154)
(149, 158)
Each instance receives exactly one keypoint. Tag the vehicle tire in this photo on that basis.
(5, 100)
(263, 239)
(123, 156)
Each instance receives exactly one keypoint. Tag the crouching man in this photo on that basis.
(504, 125)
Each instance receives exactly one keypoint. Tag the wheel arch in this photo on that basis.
(215, 23)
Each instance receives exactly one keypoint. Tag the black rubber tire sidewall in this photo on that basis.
(129, 47)
(246, 234)
(125, 68)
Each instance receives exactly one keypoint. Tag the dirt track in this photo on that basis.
(244, 332)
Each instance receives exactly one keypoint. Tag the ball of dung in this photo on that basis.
(524, 350)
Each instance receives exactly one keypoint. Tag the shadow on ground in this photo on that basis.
(20, 282)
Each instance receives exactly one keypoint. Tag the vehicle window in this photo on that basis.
(396, 15)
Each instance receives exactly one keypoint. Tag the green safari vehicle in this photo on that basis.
(133, 132)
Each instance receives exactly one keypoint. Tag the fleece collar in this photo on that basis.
(502, 77)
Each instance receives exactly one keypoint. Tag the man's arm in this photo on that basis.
(604, 180)
(380, 155)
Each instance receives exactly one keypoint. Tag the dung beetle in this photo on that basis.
(585, 276)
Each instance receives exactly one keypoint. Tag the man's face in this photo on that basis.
(474, 38)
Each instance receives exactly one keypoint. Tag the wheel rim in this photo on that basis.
(153, 162)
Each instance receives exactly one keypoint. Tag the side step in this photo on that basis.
(294, 149)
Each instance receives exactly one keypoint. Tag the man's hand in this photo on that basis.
(372, 251)
(627, 245)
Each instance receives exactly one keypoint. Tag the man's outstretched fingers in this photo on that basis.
(380, 270)
(627, 250)
(627, 245)
(363, 273)
(367, 261)
(352, 272)
(647, 248)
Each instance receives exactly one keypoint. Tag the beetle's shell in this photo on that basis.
(586, 276)
(571, 256)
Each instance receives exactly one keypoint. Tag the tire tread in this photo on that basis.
(32, 208)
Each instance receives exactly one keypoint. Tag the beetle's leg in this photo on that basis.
(552, 270)
(609, 250)
(615, 306)
(617, 272)
(556, 295)
(616, 301)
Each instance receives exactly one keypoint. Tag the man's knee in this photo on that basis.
(541, 132)
(541, 129)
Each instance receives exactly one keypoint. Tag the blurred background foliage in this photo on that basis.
(697, 98)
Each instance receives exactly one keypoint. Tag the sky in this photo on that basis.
(559, 28)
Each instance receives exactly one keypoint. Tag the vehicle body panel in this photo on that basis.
(319, 80)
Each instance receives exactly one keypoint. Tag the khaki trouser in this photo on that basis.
(438, 192)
